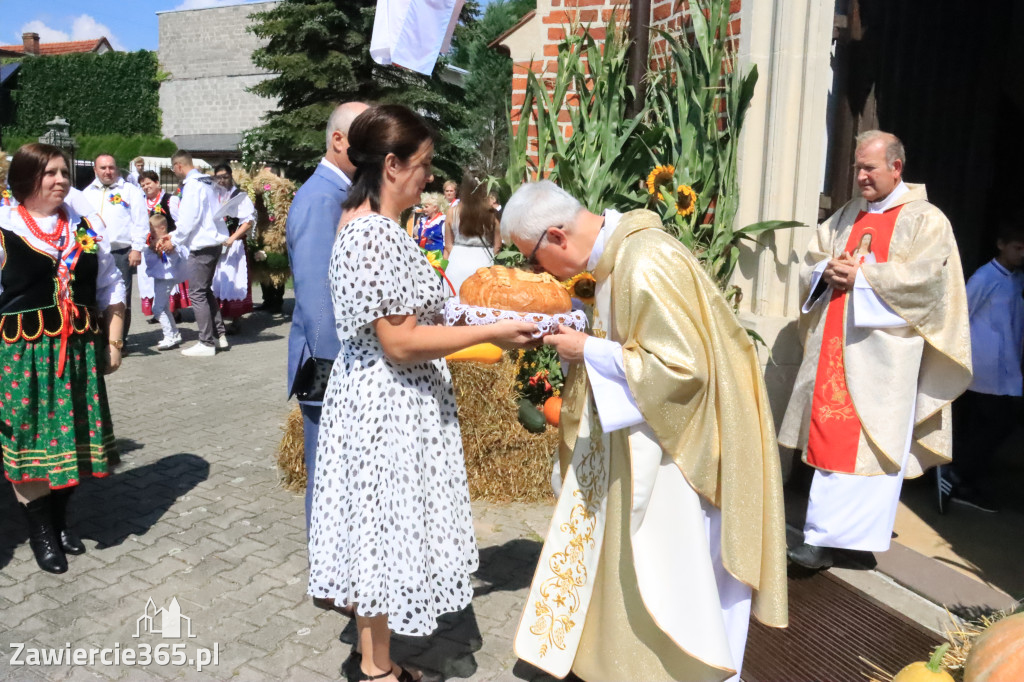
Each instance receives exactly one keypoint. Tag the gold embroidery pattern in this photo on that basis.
(559, 594)
(837, 404)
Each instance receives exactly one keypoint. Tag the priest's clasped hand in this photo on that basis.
(568, 342)
(841, 272)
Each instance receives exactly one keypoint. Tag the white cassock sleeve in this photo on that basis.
(616, 407)
(412, 33)
(815, 295)
(871, 311)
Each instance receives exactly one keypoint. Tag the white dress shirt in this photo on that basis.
(345, 180)
(195, 226)
(109, 285)
(122, 208)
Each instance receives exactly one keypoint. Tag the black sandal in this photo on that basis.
(402, 676)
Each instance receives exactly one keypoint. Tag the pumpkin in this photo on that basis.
(926, 672)
(486, 353)
(997, 655)
(552, 409)
(530, 417)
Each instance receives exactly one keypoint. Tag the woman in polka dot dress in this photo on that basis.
(56, 276)
(391, 532)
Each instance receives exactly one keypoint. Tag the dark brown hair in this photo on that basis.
(377, 132)
(149, 175)
(28, 166)
(476, 217)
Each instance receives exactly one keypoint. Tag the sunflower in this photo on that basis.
(582, 286)
(87, 243)
(686, 200)
(659, 176)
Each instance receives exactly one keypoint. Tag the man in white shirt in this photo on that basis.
(122, 208)
(203, 235)
(887, 349)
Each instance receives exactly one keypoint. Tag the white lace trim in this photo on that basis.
(455, 312)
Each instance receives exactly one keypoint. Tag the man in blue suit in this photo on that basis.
(312, 223)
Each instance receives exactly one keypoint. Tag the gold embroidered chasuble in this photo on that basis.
(893, 374)
(695, 376)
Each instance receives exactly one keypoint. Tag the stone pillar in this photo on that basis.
(781, 166)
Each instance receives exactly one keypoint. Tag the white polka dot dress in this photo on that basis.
(391, 527)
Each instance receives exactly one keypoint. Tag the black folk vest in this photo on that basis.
(28, 303)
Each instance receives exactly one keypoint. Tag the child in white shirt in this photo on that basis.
(166, 269)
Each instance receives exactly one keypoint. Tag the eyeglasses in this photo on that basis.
(222, 177)
(532, 259)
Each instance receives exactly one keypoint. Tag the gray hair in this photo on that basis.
(893, 146)
(534, 208)
(341, 119)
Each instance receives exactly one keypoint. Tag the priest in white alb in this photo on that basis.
(887, 348)
(669, 532)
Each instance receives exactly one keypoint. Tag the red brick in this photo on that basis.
(556, 34)
(550, 50)
(588, 16)
(559, 17)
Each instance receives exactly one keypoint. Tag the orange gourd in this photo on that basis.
(552, 409)
(926, 672)
(997, 655)
(486, 353)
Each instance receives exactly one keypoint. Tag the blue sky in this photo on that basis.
(128, 24)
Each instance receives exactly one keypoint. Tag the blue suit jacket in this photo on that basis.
(312, 224)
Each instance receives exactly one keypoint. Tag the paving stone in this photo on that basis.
(195, 512)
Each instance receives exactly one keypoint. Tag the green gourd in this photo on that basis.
(531, 418)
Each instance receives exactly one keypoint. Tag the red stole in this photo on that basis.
(835, 428)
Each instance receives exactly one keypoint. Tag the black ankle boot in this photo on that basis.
(42, 538)
(71, 543)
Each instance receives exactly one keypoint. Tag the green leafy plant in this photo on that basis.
(83, 88)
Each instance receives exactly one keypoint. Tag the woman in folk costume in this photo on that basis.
(472, 237)
(57, 281)
(886, 351)
(430, 228)
(159, 202)
(232, 283)
(391, 528)
(669, 531)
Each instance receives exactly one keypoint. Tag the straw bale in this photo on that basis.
(290, 458)
(504, 461)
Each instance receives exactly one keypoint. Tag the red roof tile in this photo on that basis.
(70, 47)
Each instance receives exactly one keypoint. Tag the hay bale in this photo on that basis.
(504, 462)
(291, 459)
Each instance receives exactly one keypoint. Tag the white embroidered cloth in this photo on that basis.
(455, 312)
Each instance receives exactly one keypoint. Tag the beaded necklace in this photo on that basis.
(150, 203)
(60, 236)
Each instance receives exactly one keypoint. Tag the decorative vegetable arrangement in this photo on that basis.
(926, 672)
(487, 353)
(530, 417)
(552, 409)
(998, 654)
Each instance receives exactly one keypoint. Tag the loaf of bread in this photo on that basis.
(517, 290)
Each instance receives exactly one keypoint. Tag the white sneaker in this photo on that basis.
(199, 350)
(168, 344)
(222, 342)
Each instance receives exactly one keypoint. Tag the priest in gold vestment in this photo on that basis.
(669, 532)
(886, 350)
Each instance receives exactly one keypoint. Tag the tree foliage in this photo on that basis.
(116, 93)
(320, 53)
(489, 83)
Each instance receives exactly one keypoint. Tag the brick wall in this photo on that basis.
(557, 16)
(207, 53)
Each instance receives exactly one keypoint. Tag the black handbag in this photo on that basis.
(310, 381)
